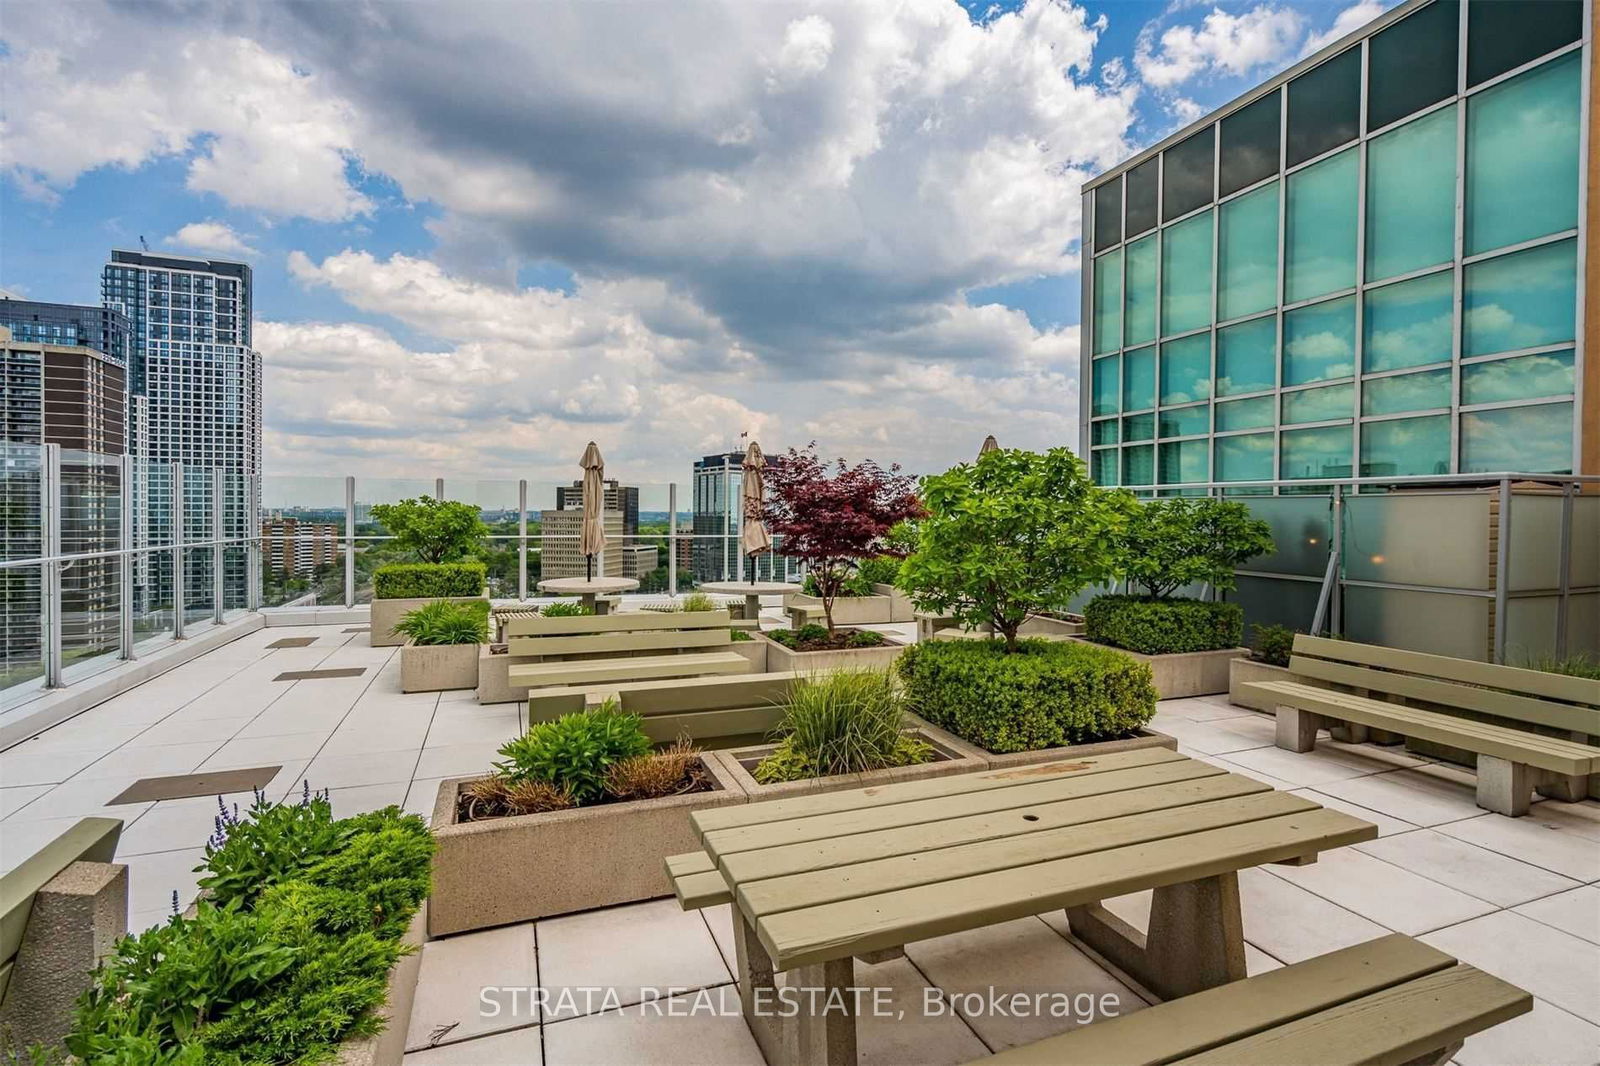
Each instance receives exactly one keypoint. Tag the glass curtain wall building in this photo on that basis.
(1372, 265)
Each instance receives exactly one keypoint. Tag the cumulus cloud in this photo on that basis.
(1348, 20)
(212, 236)
(1222, 43)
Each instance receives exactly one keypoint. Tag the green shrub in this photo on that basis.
(288, 956)
(884, 570)
(1189, 540)
(574, 752)
(846, 722)
(850, 585)
(697, 601)
(1583, 664)
(1047, 694)
(566, 609)
(446, 622)
(1273, 645)
(1165, 626)
(738, 635)
(419, 581)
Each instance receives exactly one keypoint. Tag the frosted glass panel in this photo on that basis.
(1271, 601)
(1301, 531)
(1139, 316)
(1434, 622)
(1247, 254)
(1523, 300)
(1531, 627)
(1108, 302)
(1409, 324)
(1319, 342)
(1522, 156)
(1321, 248)
(1186, 275)
(1397, 538)
(1411, 196)
(1586, 542)
(1583, 621)
(1535, 542)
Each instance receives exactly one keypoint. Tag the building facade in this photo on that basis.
(106, 330)
(718, 518)
(618, 497)
(295, 548)
(559, 536)
(639, 560)
(1373, 265)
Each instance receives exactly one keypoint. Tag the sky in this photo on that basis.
(486, 232)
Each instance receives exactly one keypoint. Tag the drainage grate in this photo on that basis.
(183, 786)
(291, 642)
(318, 675)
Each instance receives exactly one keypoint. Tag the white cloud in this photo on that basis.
(1349, 20)
(1222, 43)
(212, 236)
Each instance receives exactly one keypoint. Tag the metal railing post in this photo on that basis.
(1336, 550)
(350, 542)
(1564, 582)
(252, 544)
(217, 554)
(126, 563)
(50, 621)
(522, 540)
(175, 510)
(1502, 569)
(672, 539)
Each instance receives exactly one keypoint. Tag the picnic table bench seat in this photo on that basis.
(712, 711)
(1527, 729)
(619, 648)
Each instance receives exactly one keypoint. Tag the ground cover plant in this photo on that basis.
(819, 638)
(1272, 645)
(445, 622)
(850, 721)
(566, 609)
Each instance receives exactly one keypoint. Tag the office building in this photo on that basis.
(1373, 264)
(640, 560)
(559, 533)
(718, 514)
(104, 329)
(294, 548)
(618, 497)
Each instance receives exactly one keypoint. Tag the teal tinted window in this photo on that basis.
(1524, 440)
(1103, 400)
(1186, 369)
(1185, 461)
(1103, 432)
(1413, 63)
(1319, 342)
(1411, 196)
(1523, 377)
(1319, 405)
(1139, 379)
(1523, 300)
(1185, 421)
(1108, 302)
(1247, 254)
(1247, 357)
(1405, 446)
(1408, 324)
(1103, 466)
(1139, 465)
(1315, 453)
(1522, 157)
(1138, 427)
(1406, 392)
(1244, 458)
(1186, 275)
(1139, 317)
(1258, 412)
(1320, 252)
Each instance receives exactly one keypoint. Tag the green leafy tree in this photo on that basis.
(437, 531)
(1186, 540)
(1013, 533)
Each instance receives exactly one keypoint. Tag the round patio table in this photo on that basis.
(589, 588)
(752, 591)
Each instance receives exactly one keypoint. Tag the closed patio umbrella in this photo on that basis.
(592, 541)
(989, 445)
(753, 536)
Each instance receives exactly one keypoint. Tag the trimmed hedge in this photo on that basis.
(1047, 694)
(416, 581)
(1165, 626)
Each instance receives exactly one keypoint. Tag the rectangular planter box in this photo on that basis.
(438, 668)
(1045, 625)
(1246, 671)
(754, 649)
(1191, 673)
(1146, 738)
(847, 610)
(494, 677)
(388, 1047)
(386, 613)
(535, 865)
(781, 659)
(952, 757)
(900, 606)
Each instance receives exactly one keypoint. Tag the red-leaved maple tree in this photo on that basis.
(831, 515)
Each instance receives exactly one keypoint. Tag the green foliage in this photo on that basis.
(1184, 540)
(738, 635)
(1273, 645)
(438, 531)
(846, 722)
(1583, 664)
(1163, 626)
(697, 601)
(574, 751)
(855, 638)
(566, 609)
(1046, 694)
(288, 955)
(883, 570)
(416, 581)
(446, 622)
(1014, 533)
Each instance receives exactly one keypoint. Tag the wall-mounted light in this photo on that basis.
(1378, 559)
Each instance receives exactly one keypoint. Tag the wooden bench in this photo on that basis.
(1527, 729)
(1391, 1000)
(620, 648)
(732, 709)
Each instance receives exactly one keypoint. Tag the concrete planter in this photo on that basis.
(388, 1047)
(929, 625)
(1246, 671)
(951, 756)
(386, 614)
(1047, 625)
(438, 667)
(847, 610)
(1191, 673)
(780, 658)
(1145, 738)
(494, 677)
(900, 606)
(535, 865)
(755, 650)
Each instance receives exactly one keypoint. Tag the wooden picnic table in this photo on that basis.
(818, 880)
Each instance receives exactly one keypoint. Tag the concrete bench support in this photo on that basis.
(1297, 729)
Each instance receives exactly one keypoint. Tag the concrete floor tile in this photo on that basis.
(1411, 795)
(190, 732)
(159, 761)
(1476, 871)
(1576, 911)
(720, 921)
(175, 828)
(1387, 826)
(1227, 763)
(1553, 965)
(362, 798)
(368, 768)
(153, 878)
(421, 796)
(279, 722)
(19, 839)
(264, 751)
(651, 945)
(1381, 892)
(703, 1028)
(1025, 956)
(22, 765)
(1216, 737)
(357, 737)
(909, 1021)
(13, 800)
(83, 797)
(1198, 709)
(1550, 842)
(1308, 769)
(520, 1047)
(1546, 1035)
(494, 726)
(457, 760)
(453, 977)
(1293, 924)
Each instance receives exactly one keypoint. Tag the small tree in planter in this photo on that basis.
(832, 518)
(437, 531)
(1014, 533)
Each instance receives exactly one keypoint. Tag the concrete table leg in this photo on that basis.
(827, 1019)
(1195, 942)
(757, 991)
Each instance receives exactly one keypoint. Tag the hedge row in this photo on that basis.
(415, 581)
(1165, 626)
